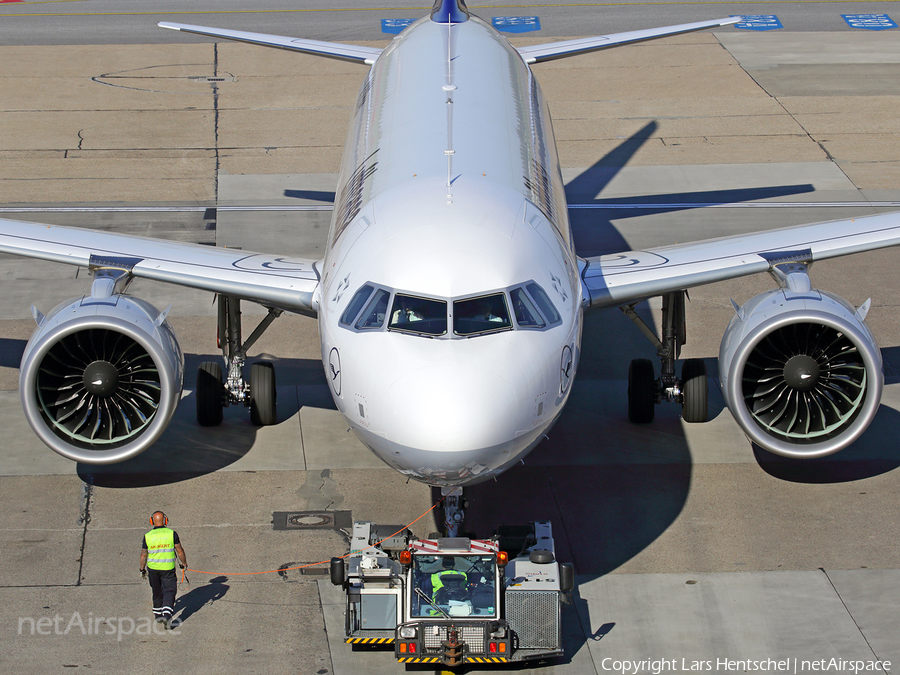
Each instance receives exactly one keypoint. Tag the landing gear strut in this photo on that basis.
(691, 390)
(454, 513)
(214, 393)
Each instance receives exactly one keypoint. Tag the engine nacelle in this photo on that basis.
(801, 372)
(101, 378)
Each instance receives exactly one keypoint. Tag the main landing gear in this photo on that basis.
(215, 393)
(645, 390)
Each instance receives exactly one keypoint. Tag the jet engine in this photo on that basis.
(800, 371)
(101, 377)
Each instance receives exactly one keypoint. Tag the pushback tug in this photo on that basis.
(455, 601)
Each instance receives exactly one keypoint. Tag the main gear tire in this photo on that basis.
(695, 391)
(263, 411)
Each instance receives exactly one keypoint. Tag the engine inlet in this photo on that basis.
(804, 382)
(98, 387)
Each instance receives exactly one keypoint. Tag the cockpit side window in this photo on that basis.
(485, 314)
(543, 302)
(526, 313)
(356, 304)
(418, 315)
(375, 312)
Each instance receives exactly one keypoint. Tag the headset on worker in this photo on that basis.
(165, 518)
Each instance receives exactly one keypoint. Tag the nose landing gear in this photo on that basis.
(454, 510)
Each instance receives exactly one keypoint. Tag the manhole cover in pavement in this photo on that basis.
(311, 520)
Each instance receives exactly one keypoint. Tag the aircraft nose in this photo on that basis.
(444, 408)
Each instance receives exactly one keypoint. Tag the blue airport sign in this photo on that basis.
(395, 26)
(869, 21)
(759, 22)
(516, 24)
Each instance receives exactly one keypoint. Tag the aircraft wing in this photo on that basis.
(272, 280)
(559, 50)
(334, 50)
(613, 280)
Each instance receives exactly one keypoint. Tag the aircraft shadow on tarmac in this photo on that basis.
(593, 228)
(11, 351)
(312, 195)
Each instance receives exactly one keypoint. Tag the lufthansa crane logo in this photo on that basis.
(566, 370)
(334, 370)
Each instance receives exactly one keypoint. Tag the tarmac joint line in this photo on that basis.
(84, 519)
(850, 614)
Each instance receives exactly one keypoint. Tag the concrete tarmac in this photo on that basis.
(694, 550)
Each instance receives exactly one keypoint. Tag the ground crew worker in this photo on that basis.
(158, 552)
(449, 580)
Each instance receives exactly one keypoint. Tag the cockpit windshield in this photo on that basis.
(453, 585)
(524, 306)
(418, 315)
(485, 314)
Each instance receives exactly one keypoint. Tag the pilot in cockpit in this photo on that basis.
(405, 313)
(486, 313)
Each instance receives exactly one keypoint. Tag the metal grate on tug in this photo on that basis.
(534, 617)
(472, 635)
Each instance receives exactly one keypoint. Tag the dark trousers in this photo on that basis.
(164, 584)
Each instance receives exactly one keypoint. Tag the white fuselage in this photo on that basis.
(450, 190)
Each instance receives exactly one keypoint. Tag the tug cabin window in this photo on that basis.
(453, 585)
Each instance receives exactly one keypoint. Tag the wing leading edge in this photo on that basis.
(334, 50)
(278, 281)
(559, 50)
(613, 280)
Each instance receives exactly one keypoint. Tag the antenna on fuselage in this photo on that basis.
(450, 12)
(449, 88)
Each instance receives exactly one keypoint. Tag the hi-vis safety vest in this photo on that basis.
(437, 580)
(160, 548)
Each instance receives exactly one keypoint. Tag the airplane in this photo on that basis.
(450, 299)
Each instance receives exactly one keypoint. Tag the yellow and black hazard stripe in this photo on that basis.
(486, 659)
(369, 641)
(435, 659)
(418, 659)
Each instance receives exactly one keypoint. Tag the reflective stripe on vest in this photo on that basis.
(160, 548)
